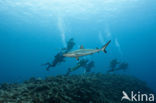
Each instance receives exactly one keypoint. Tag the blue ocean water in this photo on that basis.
(33, 31)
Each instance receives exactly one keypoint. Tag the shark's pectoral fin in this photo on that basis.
(77, 58)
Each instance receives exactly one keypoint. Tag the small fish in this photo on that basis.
(83, 52)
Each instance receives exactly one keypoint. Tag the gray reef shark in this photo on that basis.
(83, 52)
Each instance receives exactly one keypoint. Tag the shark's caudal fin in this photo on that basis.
(105, 46)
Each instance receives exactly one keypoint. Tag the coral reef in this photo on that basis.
(88, 88)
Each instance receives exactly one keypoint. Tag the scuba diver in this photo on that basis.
(58, 58)
(122, 66)
(115, 66)
(82, 63)
(70, 45)
(89, 66)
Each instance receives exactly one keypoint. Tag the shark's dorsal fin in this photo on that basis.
(81, 47)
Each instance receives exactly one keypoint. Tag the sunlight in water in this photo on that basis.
(65, 7)
(118, 46)
(61, 26)
(101, 38)
(47, 10)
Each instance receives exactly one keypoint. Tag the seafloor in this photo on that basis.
(91, 88)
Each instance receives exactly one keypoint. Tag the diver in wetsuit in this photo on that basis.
(115, 66)
(81, 63)
(70, 45)
(58, 58)
(89, 66)
(122, 66)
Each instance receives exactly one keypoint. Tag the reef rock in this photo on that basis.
(90, 88)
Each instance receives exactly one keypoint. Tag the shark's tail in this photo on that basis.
(105, 46)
